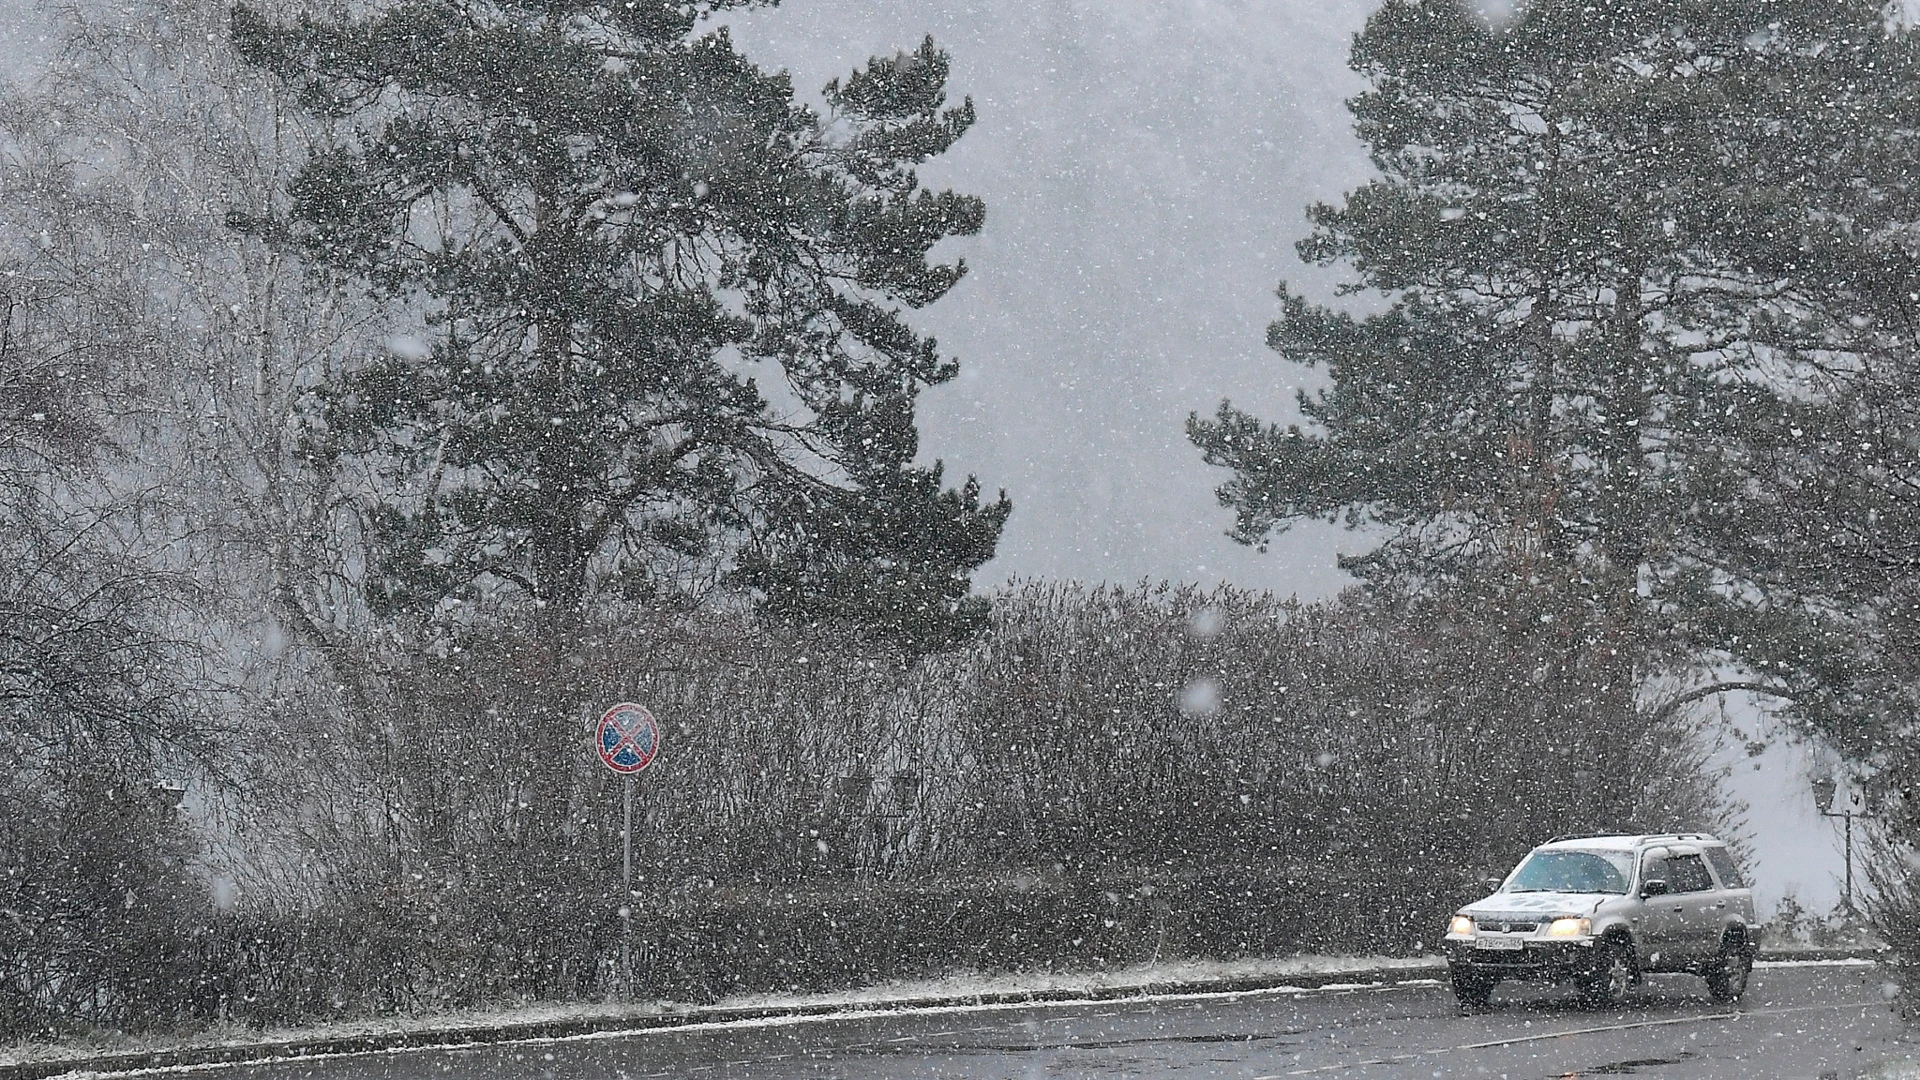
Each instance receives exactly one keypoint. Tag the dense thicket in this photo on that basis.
(1108, 776)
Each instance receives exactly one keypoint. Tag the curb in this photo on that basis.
(457, 1035)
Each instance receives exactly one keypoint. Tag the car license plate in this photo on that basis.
(1499, 944)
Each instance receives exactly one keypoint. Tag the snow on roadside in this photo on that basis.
(1831, 961)
(1192, 973)
(103, 1043)
(1139, 976)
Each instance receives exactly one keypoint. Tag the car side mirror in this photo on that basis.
(1656, 887)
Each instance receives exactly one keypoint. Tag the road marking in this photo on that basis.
(1546, 1036)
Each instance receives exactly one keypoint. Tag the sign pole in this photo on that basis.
(626, 900)
(627, 739)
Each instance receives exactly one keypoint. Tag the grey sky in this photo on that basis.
(1145, 167)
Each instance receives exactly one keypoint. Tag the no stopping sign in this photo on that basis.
(627, 738)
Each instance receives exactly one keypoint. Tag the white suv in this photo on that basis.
(1601, 911)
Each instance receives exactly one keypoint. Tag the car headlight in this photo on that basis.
(1461, 926)
(1570, 928)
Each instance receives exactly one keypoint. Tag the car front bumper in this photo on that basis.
(1541, 960)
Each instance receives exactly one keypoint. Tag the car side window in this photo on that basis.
(1688, 873)
(1725, 868)
(1654, 868)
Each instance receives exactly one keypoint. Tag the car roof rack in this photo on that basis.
(1647, 838)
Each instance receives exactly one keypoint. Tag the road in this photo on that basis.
(1808, 1022)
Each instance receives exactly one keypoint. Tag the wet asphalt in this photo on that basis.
(1810, 1022)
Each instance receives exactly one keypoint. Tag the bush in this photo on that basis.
(100, 910)
(1109, 776)
(1893, 913)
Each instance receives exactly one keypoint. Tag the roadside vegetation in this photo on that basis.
(1106, 776)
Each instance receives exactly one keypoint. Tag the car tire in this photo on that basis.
(1605, 984)
(1471, 988)
(1730, 970)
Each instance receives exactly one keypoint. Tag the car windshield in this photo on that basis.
(1573, 871)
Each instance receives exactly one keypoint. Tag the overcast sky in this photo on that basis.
(1145, 166)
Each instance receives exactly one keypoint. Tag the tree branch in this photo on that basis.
(1666, 711)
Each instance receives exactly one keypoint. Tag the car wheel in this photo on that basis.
(1606, 983)
(1471, 988)
(1731, 969)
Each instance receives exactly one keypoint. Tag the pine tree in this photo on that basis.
(666, 354)
(1622, 247)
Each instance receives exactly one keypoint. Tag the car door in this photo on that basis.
(1733, 887)
(1661, 922)
(1700, 904)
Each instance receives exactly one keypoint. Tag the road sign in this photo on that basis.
(627, 738)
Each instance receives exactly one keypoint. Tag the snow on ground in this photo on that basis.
(1139, 976)
(1195, 974)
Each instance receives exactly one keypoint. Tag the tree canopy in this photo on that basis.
(662, 351)
(1646, 268)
